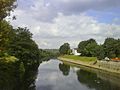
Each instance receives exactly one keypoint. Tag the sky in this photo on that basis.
(54, 22)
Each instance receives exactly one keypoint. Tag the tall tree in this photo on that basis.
(112, 47)
(117, 52)
(86, 48)
(23, 47)
(6, 33)
(99, 52)
(90, 49)
(5, 7)
(64, 49)
(81, 47)
(5, 28)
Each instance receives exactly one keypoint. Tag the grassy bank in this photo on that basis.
(80, 58)
(92, 62)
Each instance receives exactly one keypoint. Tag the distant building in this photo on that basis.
(75, 52)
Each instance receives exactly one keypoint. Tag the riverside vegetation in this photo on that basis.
(92, 53)
(89, 48)
(19, 53)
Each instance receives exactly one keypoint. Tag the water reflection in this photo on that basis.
(92, 81)
(49, 77)
(64, 68)
(29, 78)
(10, 77)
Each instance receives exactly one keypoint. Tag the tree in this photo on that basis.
(5, 7)
(64, 49)
(6, 33)
(23, 47)
(117, 52)
(86, 48)
(111, 47)
(90, 49)
(5, 28)
(81, 47)
(99, 52)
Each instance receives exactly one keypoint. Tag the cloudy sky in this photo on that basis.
(54, 22)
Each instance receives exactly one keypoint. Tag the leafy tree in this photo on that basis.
(65, 49)
(90, 49)
(5, 28)
(111, 47)
(86, 48)
(117, 51)
(23, 47)
(5, 7)
(6, 33)
(99, 52)
(81, 47)
(46, 55)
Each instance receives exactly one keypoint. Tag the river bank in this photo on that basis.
(113, 67)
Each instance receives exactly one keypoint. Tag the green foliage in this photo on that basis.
(19, 54)
(6, 31)
(9, 72)
(5, 7)
(53, 52)
(86, 48)
(99, 52)
(23, 47)
(65, 49)
(22, 70)
(112, 47)
(45, 55)
(90, 49)
(7, 58)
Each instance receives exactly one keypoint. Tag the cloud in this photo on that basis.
(47, 10)
(54, 22)
(70, 29)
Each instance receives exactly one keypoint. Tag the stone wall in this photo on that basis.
(109, 65)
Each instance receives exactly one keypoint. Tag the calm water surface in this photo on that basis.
(56, 75)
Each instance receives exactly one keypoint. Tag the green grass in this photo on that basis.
(81, 58)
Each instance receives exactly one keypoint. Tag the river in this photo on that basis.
(56, 75)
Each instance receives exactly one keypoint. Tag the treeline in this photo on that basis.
(17, 42)
(110, 48)
(19, 54)
(46, 54)
(90, 48)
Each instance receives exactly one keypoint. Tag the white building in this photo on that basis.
(74, 52)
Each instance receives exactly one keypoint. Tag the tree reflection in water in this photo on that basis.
(92, 81)
(64, 68)
(29, 78)
(10, 77)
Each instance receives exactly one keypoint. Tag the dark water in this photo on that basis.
(56, 75)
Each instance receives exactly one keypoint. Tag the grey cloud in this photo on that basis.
(47, 10)
(71, 28)
(77, 6)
